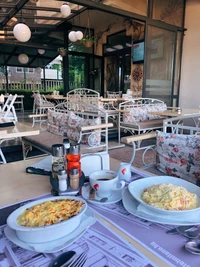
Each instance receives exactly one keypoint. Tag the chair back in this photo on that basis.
(8, 110)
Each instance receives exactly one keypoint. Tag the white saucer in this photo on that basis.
(131, 205)
(87, 220)
(115, 197)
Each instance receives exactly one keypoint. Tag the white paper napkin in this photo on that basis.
(86, 221)
(192, 217)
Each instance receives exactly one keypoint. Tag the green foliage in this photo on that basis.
(61, 49)
(88, 38)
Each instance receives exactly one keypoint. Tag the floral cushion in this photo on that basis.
(136, 114)
(156, 107)
(179, 155)
(74, 121)
(57, 122)
(73, 131)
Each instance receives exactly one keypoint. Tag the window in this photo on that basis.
(19, 70)
(30, 70)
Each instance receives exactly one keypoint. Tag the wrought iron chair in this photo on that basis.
(8, 110)
(40, 106)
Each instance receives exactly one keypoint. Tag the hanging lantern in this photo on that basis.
(41, 51)
(22, 32)
(72, 36)
(65, 10)
(79, 35)
(23, 58)
(38, 70)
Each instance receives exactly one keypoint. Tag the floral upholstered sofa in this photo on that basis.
(135, 117)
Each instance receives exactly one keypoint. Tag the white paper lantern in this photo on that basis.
(72, 36)
(79, 35)
(65, 10)
(38, 70)
(22, 32)
(41, 51)
(23, 58)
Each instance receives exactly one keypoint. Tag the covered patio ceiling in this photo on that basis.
(47, 26)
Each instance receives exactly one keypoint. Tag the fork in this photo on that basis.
(79, 261)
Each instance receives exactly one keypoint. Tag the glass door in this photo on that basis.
(160, 64)
(117, 72)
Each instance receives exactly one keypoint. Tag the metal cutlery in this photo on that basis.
(79, 261)
(187, 231)
(193, 247)
(63, 259)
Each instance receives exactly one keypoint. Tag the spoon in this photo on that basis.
(102, 200)
(193, 247)
(63, 259)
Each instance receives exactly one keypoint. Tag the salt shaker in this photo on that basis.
(74, 178)
(62, 180)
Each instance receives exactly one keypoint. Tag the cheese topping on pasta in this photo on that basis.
(49, 212)
(169, 197)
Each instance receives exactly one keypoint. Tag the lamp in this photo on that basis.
(79, 35)
(22, 32)
(65, 10)
(41, 51)
(72, 36)
(23, 58)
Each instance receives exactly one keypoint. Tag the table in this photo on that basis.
(175, 112)
(56, 98)
(11, 132)
(16, 185)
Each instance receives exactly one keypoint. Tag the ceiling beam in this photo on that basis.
(36, 26)
(23, 16)
(40, 8)
(31, 45)
(10, 55)
(14, 11)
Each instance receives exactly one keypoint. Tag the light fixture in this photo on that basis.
(23, 58)
(12, 22)
(41, 51)
(72, 36)
(65, 10)
(118, 47)
(38, 70)
(79, 35)
(22, 32)
(109, 49)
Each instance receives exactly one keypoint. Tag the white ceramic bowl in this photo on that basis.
(137, 187)
(45, 233)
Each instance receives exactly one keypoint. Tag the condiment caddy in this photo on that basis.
(67, 177)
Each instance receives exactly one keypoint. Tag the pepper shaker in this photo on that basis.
(74, 178)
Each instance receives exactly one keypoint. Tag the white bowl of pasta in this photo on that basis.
(47, 219)
(166, 194)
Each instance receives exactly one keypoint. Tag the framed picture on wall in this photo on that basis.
(157, 48)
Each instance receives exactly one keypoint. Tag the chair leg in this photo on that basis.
(2, 156)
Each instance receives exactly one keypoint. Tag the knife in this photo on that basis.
(63, 259)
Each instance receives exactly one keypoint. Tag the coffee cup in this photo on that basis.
(104, 182)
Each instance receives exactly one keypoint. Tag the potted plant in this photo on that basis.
(88, 41)
(62, 51)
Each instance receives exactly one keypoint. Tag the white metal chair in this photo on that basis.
(8, 110)
(40, 106)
